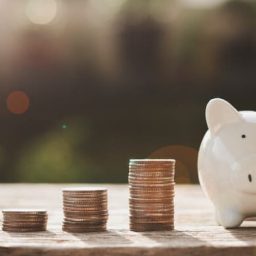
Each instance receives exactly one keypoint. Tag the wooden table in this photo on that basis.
(195, 234)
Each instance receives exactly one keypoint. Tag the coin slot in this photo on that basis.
(250, 178)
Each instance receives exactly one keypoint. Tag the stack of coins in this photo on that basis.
(85, 209)
(151, 185)
(24, 220)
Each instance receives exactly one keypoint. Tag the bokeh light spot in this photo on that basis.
(202, 3)
(41, 11)
(64, 126)
(17, 102)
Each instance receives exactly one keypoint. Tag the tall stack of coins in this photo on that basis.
(151, 185)
(24, 220)
(85, 209)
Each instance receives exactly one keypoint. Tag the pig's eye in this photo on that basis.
(243, 136)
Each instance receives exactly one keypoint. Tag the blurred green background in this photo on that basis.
(85, 85)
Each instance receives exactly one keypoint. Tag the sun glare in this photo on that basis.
(41, 11)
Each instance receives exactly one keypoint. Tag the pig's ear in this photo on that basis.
(220, 112)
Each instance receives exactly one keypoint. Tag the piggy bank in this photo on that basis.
(227, 162)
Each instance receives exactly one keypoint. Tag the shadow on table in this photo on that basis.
(245, 233)
(123, 238)
(106, 238)
(175, 238)
(34, 234)
(153, 238)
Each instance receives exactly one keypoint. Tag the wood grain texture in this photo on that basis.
(196, 232)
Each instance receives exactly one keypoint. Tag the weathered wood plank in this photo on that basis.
(196, 232)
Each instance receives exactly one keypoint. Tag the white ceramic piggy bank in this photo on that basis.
(227, 162)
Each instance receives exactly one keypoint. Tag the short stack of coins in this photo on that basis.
(85, 209)
(24, 220)
(151, 185)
